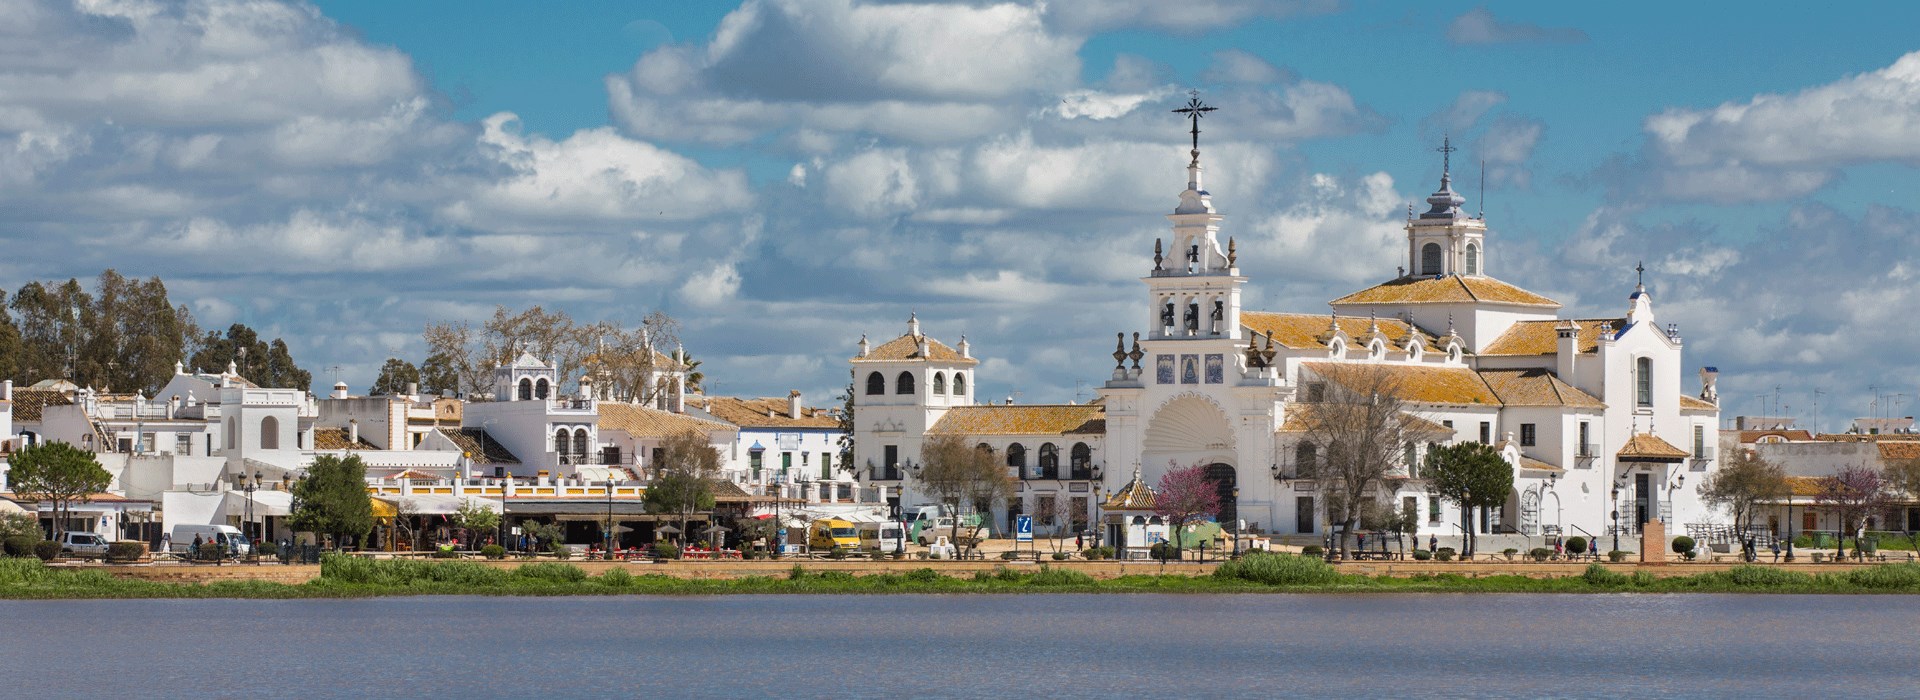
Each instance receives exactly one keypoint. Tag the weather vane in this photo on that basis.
(1193, 111)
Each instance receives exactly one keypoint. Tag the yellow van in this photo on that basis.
(828, 533)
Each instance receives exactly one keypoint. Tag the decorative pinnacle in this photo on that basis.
(1193, 111)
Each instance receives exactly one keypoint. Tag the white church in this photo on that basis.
(1594, 415)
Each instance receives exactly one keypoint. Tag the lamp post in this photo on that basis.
(1615, 515)
(609, 515)
(1236, 522)
(1789, 522)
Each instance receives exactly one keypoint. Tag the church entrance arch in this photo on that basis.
(1226, 480)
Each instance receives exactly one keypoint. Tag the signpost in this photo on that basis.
(1022, 530)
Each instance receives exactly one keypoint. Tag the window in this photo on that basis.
(1527, 434)
(939, 383)
(892, 462)
(1409, 454)
(1430, 259)
(876, 384)
(580, 442)
(959, 384)
(1049, 461)
(1447, 423)
(904, 384)
(269, 433)
(786, 462)
(1699, 442)
(562, 445)
(1016, 456)
(1473, 259)
(183, 443)
(1305, 455)
(540, 389)
(754, 462)
(1586, 444)
(1486, 433)
(1433, 509)
(1316, 392)
(1082, 461)
(526, 389)
(1643, 380)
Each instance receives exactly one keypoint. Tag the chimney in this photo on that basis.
(1567, 351)
(353, 432)
(413, 391)
(339, 390)
(966, 351)
(793, 404)
(173, 406)
(6, 390)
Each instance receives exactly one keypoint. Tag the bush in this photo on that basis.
(1576, 545)
(1510, 551)
(1050, 576)
(126, 551)
(1598, 575)
(1886, 576)
(344, 568)
(1278, 570)
(1421, 555)
(551, 571)
(266, 549)
(493, 551)
(1617, 556)
(1803, 541)
(1008, 555)
(1444, 554)
(1097, 553)
(666, 551)
(796, 573)
(445, 554)
(1163, 551)
(1766, 576)
(616, 578)
(922, 575)
(19, 546)
(560, 550)
(1540, 553)
(1682, 544)
(838, 553)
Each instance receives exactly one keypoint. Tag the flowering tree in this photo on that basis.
(1855, 492)
(1185, 496)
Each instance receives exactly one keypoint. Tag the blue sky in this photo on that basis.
(785, 175)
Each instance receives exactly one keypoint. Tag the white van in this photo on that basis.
(884, 538)
(227, 535)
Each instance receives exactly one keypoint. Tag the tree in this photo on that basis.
(60, 474)
(846, 427)
(1185, 496)
(960, 475)
(124, 336)
(451, 366)
(10, 347)
(267, 364)
(1743, 482)
(475, 518)
(682, 478)
(332, 499)
(1360, 429)
(1854, 493)
(394, 377)
(1471, 475)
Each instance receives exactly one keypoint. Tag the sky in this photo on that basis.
(784, 176)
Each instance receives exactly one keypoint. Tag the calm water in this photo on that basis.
(895, 647)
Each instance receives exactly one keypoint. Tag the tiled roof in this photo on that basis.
(1417, 384)
(1752, 436)
(1804, 486)
(1136, 495)
(1899, 449)
(336, 439)
(1449, 289)
(1647, 447)
(1296, 421)
(1538, 465)
(1543, 337)
(1022, 420)
(1536, 387)
(481, 447)
(768, 412)
(1691, 403)
(1309, 331)
(28, 402)
(640, 421)
(907, 347)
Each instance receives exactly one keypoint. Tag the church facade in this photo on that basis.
(1595, 416)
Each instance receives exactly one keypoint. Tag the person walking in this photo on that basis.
(1433, 544)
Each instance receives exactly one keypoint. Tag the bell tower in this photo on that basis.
(1194, 288)
(1445, 240)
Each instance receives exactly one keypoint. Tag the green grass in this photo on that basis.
(357, 577)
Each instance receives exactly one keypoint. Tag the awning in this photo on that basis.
(436, 503)
(583, 507)
(383, 509)
(9, 507)
(593, 473)
(275, 503)
(1645, 447)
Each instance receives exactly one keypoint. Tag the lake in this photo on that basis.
(911, 646)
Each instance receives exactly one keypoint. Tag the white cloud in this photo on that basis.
(1873, 116)
(1237, 66)
(1479, 26)
(1465, 112)
(1189, 16)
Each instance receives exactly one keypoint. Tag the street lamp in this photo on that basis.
(1236, 522)
(609, 515)
(1615, 515)
(1789, 523)
(248, 486)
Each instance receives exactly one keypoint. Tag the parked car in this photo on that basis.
(880, 537)
(85, 545)
(926, 531)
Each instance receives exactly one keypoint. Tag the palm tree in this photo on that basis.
(693, 377)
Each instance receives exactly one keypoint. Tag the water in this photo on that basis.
(894, 647)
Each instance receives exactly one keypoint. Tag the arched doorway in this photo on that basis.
(1224, 478)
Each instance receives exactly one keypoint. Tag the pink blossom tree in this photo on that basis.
(1185, 496)
(1854, 493)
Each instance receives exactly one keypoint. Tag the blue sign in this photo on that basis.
(1023, 528)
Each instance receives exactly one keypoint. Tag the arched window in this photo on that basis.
(1473, 259)
(526, 389)
(1305, 458)
(1016, 456)
(904, 384)
(876, 384)
(939, 383)
(580, 442)
(562, 443)
(1082, 461)
(959, 384)
(984, 447)
(1643, 380)
(540, 389)
(269, 433)
(1430, 259)
(1049, 461)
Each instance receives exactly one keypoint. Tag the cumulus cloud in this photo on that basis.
(1479, 26)
(1191, 16)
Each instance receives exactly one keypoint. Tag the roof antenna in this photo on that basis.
(1483, 189)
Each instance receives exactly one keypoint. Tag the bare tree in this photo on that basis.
(1743, 482)
(1360, 428)
(961, 475)
(1854, 493)
(620, 360)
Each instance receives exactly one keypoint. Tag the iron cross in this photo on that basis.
(1446, 150)
(1193, 111)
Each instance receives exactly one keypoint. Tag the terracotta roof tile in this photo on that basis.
(1647, 447)
(1417, 384)
(769, 412)
(481, 447)
(1543, 337)
(1804, 486)
(27, 403)
(1309, 331)
(1694, 403)
(1023, 420)
(1449, 289)
(336, 439)
(1136, 495)
(907, 347)
(1899, 449)
(640, 421)
(1538, 465)
(1748, 437)
(1296, 422)
(1536, 387)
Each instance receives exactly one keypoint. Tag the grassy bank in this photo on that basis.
(359, 577)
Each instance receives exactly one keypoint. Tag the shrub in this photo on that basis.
(560, 550)
(1886, 576)
(616, 578)
(126, 551)
(1643, 578)
(1421, 555)
(1444, 554)
(1576, 545)
(493, 551)
(1002, 573)
(1540, 553)
(1008, 555)
(1163, 551)
(666, 551)
(1278, 570)
(266, 549)
(1617, 556)
(1061, 556)
(1682, 544)
(1091, 554)
(796, 573)
(1598, 575)
(1803, 541)
(19, 546)
(445, 554)
(1765, 576)
(923, 575)
(343, 568)
(551, 571)
(1049, 576)
(1510, 551)
(838, 553)
(1313, 550)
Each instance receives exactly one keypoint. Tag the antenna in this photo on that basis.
(336, 373)
(1483, 189)
(1079, 389)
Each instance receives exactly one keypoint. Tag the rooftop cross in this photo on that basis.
(1640, 273)
(1446, 150)
(1193, 111)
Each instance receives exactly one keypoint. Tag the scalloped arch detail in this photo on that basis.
(1189, 422)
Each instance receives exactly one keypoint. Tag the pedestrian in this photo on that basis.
(166, 542)
(1433, 544)
(1079, 542)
